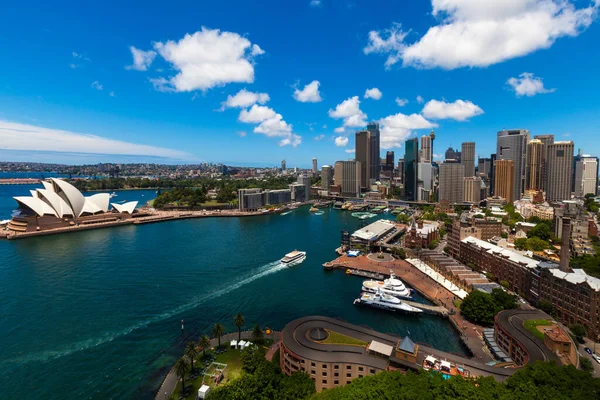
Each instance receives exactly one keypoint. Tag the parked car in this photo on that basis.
(596, 358)
(588, 350)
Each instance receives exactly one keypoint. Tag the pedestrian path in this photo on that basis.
(433, 274)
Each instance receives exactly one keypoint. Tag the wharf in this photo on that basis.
(439, 310)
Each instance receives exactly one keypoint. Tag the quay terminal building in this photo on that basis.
(61, 205)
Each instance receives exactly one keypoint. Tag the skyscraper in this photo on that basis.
(451, 186)
(389, 160)
(367, 154)
(401, 170)
(314, 166)
(504, 180)
(546, 140)
(411, 155)
(533, 169)
(492, 174)
(326, 174)
(512, 145)
(452, 154)
(362, 155)
(472, 189)
(467, 157)
(426, 155)
(484, 167)
(374, 150)
(283, 166)
(304, 180)
(586, 175)
(347, 175)
(560, 171)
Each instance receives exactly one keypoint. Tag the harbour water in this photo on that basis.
(96, 314)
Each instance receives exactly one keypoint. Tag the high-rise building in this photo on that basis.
(411, 155)
(401, 170)
(304, 180)
(283, 169)
(347, 175)
(533, 169)
(367, 154)
(492, 174)
(425, 178)
(586, 175)
(452, 154)
(484, 167)
(472, 189)
(326, 174)
(426, 154)
(467, 157)
(362, 155)
(512, 145)
(389, 160)
(546, 140)
(451, 186)
(504, 180)
(374, 150)
(560, 171)
(314, 166)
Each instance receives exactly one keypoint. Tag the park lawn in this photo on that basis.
(338, 338)
(532, 326)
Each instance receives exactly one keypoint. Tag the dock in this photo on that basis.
(438, 310)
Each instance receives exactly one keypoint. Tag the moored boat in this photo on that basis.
(392, 286)
(386, 302)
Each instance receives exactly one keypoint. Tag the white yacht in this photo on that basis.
(392, 286)
(293, 258)
(385, 301)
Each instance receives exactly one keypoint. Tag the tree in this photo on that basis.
(204, 343)
(181, 369)
(521, 244)
(218, 331)
(504, 300)
(257, 333)
(402, 218)
(504, 284)
(586, 365)
(545, 306)
(191, 353)
(542, 230)
(579, 331)
(399, 252)
(479, 307)
(252, 357)
(239, 321)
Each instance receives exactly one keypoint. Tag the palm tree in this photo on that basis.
(191, 353)
(257, 333)
(204, 344)
(239, 321)
(218, 331)
(182, 368)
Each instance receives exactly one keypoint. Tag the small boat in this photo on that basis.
(386, 302)
(285, 213)
(319, 213)
(293, 258)
(313, 209)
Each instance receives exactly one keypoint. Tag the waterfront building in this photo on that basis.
(304, 179)
(546, 140)
(560, 171)
(314, 166)
(326, 176)
(250, 199)
(467, 158)
(533, 169)
(298, 192)
(472, 189)
(512, 145)
(426, 154)
(586, 175)
(504, 176)
(347, 175)
(451, 185)
(411, 181)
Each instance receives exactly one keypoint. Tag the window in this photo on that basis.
(348, 367)
(336, 382)
(360, 375)
(312, 372)
(372, 371)
(360, 369)
(313, 364)
(324, 366)
(348, 375)
(324, 381)
(336, 367)
(324, 373)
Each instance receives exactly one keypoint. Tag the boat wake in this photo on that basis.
(108, 337)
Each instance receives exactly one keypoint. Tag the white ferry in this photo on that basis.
(293, 258)
(385, 301)
(392, 286)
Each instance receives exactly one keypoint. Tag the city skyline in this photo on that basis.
(134, 94)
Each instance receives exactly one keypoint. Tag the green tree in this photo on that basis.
(191, 353)
(402, 218)
(218, 331)
(545, 306)
(181, 369)
(504, 284)
(579, 331)
(257, 333)
(586, 365)
(479, 307)
(204, 343)
(543, 231)
(521, 244)
(504, 300)
(399, 252)
(239, 321)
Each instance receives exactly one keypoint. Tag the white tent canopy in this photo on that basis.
(234, 343)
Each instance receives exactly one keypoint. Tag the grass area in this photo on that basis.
(338, 338)
(457, 303)
(532, 326)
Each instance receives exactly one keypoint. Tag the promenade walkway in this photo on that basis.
(170, 382)
(433, 274)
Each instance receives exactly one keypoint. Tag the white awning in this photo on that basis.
(233, 343)
(241, 343)
(431, 359)
(381, 348)
(445, 364)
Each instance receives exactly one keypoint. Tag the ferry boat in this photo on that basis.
(386, 302)
(313, 209)
(293, 258)
(392, 286)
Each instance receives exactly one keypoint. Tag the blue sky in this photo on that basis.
(71, 92)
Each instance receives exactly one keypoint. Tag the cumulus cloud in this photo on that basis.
(395, 129)
(256, 114)
(528, 85)
(23, 137)
(141, 59)
(206, 59)
(473, 33)
(401, 102)
(341, 141)
(350, 151)
(271, 124)
(349, 110)
(320, 137)
(244, 98)
(310, 93)
(97, 85)
(374, 94)
(340, 129)
(460, 110)
(420, 99)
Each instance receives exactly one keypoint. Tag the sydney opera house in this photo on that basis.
(60, 204)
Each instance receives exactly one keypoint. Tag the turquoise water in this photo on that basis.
(96, 314)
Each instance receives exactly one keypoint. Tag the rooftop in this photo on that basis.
(576, 277)
(511, 255)
(374, 230)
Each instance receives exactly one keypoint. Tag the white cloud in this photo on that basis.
(349, 110)
(460, 110)
(73, 66)
(420, 99)
(315, 3)
(242, 133)
(310, 93)
(80, 56)
(340, 129)
(341, 141)
(22, 137)
(206, 59)
(395, 129)
(528, 85)
(97, 85)
(401, 102)
(350, 151)
(244, 98)
(256, 114)
(112, 94)
(474, 33)
(320, 137)
(141, 59)
(374, 94)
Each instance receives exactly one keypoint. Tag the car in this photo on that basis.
(596, 358)
(588, 350)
